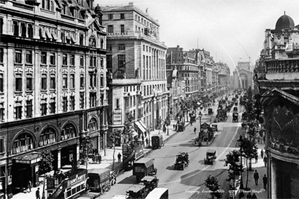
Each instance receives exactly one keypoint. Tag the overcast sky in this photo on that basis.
(231, 30)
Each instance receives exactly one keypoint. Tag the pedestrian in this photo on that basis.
(265, 161)
(119, 157)
(256, 157)
(262, 153)
(29, 186)
(265, 181)
(254, 195)
(248, 195)
(195, 129)
(37, 193)
(99, 158)
(256, 177)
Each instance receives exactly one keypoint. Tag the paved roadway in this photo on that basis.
(188, 183)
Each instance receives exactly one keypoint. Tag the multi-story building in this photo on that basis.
(184, 66)
(52, 85)
(279, 91)
(223, 72)
(137, 64)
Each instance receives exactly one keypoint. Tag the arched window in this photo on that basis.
(101, 43)
(16, 28)
(43, 3)
(81, 39)
(47, 4)
(68, 132)
(47, 137)
(30, 31)
(23, 29)
(92, 41)
(92, 126)
(24, 142)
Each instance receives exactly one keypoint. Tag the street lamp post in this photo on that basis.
(240, 140)
(199, 138)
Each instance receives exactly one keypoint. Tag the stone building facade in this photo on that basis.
(243, 76)
(52, 85)
(136, 61)
(277, 80)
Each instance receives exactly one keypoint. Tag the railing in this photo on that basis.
(282, 66)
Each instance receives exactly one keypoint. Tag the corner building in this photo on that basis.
(136, 61)
(52, 85)
(279, 90)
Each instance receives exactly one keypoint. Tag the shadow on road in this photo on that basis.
(128, 180)
(170, 167)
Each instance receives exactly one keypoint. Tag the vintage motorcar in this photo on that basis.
(157, 141)
(138, 191)
(150, 182)
(235, 117)
(182, 160)
(210, 156)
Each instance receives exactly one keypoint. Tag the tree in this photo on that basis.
(249, 149)
(212, 184)
(45, 165)
(235, 167)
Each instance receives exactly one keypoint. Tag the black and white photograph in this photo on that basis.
(149, 99)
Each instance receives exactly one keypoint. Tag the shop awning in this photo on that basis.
(143, 125)
(29, 158)
(140, 127)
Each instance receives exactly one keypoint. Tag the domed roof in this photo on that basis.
(284, 22)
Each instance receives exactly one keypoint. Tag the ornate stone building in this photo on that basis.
(52, 85)
(277, 80)
(136, 61)
(243, 76)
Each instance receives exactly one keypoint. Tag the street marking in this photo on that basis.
(225, 150)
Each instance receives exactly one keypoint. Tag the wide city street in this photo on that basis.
(188, 183)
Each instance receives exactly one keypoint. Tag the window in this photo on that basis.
(52, 105)
(1, 25)
(81, 103)
(43, 109)
(101, 63)
(52, 82)
(72, 60)
(121, 46)
(18, 110)
(29, 57)
(109, 62)
(68, 132)
(1, 55)
(2, 111)
(122, 28)
(93, 60)
(92, 80)
(23, 143)
(44, 82)
(72, 103)
(16, 28)
(81, 40)
(62, 36)
(2, 149)
(47, 137)
(23, 30)
(92, 100)
(65, 104)
(18, 56)
(65, 81)
(110, 29)
(72, 81)
(117, 103)
(101, 81)
(52, 59)
(29, 108)
(30, 31)
(43, 57)
(29, 83)
(18, 82)
(121, 61)
(81, 81)
(65, 59)
(110, 16)
(81, 60)
(122, 16)
(1, 83)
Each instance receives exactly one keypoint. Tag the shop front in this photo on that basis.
(24, 169)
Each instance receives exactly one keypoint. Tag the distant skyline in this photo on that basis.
(231, 30)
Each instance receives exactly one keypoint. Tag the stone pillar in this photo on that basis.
(77, 152)
(98, 143)
(58, 158)
(272, 180)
